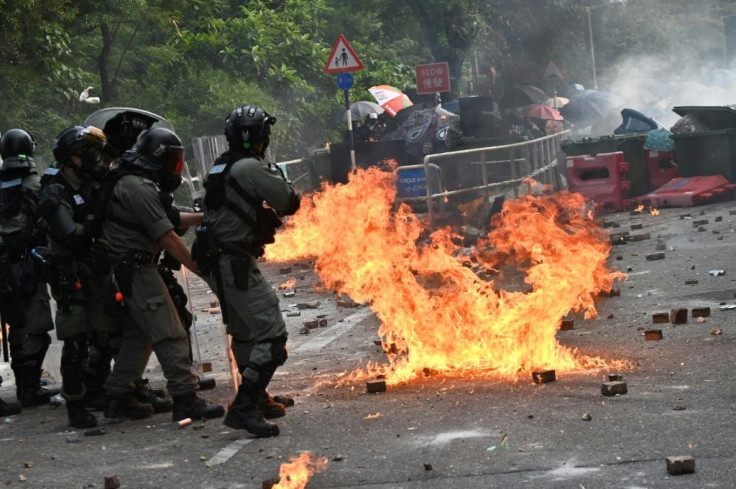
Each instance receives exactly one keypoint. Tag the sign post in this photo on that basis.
(343, 59)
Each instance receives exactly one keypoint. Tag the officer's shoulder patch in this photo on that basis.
(218, 169)
(11, 183)
(51, 171)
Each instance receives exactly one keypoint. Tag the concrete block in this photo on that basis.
(637, 225)
(544, 376)
(678, 315)
(567, 325)
(374, 386)
(691, 281)
(112, 482)
(655, 256)
(683, 464)
(614, 388)
(700, 222)
(660, 317)
(700, 312)
(653, 334)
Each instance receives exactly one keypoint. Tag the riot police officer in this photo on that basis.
(237, 227)
(19, 279)
(66, 205)
(136, 227)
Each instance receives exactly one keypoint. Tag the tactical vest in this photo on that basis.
(267, 221)
(53, 181)
(15, 198)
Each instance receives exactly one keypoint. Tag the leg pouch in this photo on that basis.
(241, 268)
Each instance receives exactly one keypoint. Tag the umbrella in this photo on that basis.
(544, 112)
(140, 117)
(427, 131)
(590, 106)
(521, 96)
(360, 110)
(390, 98)
(557, 102)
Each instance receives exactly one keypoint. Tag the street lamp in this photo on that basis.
(590, 34)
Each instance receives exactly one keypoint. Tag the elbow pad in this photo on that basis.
(60, 224)
(174, 216)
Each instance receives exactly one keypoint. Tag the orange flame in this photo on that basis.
(437, 313)
(296, 473)
(654, 212)
(639, 208)
(288, 284)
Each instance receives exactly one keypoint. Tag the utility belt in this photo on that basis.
(62, 273)
(118, 282)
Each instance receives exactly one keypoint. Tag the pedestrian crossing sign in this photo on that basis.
(342, 58)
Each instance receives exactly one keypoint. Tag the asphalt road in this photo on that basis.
(441, 433)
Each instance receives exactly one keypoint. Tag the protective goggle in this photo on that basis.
(175, 160)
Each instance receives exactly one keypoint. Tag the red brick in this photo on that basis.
(701, 312)
(653, 334)
(614, 388)
(660, 317)
(678, 315)
(684, 464)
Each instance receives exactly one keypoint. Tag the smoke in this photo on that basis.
(654, 86)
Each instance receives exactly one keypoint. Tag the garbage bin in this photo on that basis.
(711, 152)
(632, 146)
(707, 153)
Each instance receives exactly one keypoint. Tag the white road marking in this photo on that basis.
(226, 453)
(334, 332)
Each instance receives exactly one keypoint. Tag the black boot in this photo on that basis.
(9, 408)
(30, 392)
(269, 407)
(98, 369)
(120, 408)
(191, 406)
(145, 394)
(79, 417)
(244, 415)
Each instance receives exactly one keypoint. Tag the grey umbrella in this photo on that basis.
(101, 117)
(360, 110)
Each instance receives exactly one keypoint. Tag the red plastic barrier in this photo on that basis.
(600, 178)
(660, 168)
(688, 191)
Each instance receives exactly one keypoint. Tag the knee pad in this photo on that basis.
(279, 353)
(241, 352)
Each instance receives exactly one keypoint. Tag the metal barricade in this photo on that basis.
(535, 159)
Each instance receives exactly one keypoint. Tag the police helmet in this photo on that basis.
(16, 142)
(162, 153)
(84, 142)
(248, 125)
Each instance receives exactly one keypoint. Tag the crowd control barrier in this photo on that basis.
(660, 168)
(600, 178)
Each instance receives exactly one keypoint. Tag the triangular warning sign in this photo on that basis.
(552, 72)
(342, 58)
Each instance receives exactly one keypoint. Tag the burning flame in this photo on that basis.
(296, 473)
(437, 314)
(288, 284)
(639, 208)
(654, 212)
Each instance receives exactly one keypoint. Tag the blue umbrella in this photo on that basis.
(591, 106)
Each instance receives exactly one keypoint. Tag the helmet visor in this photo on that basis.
(175, 160)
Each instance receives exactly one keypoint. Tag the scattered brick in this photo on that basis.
(284, 271)
(323, 323)
(309, 305)
(660, 317)
(655, 256)
(206, 367)
(700, 222)
(653, 334)
(311, 324)
(269, 483)
(290, 293)
(661, 247)
(700, 312)
(732, 212)
(691, 281)
(718, 218)
(304, 330)
(678, 315)
(684, 216)
(683, 464)
(374, 386)
(615, 377)
(347, 304)
(544, 376)
(614, 388)
(292, 314)
(638, 237)
(112, 482)
(567, 325)
(637, 225)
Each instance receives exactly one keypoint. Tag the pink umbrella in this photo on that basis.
(544, 112)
